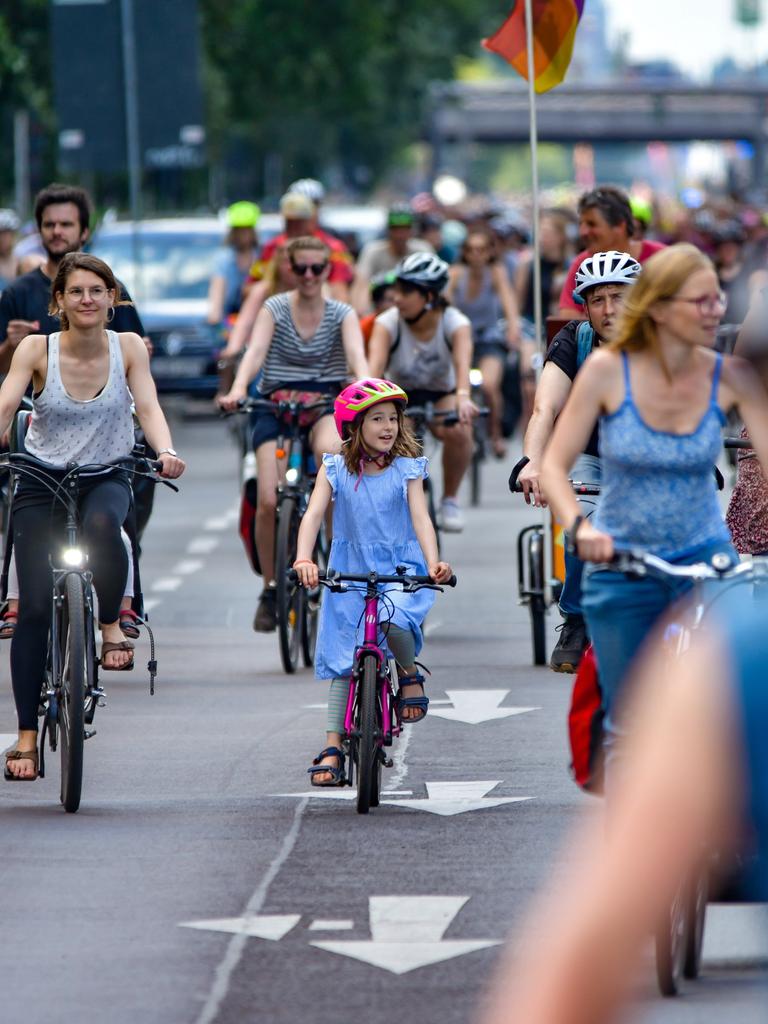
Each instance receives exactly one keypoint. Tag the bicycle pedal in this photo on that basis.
(88, 733)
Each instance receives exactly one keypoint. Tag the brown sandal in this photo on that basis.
(21, 755)
(109, 645)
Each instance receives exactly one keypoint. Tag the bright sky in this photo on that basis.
(695, 34)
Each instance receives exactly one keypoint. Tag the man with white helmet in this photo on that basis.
(383, 254)
(601, 283)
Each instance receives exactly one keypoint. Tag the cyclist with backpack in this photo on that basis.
(660, 394)
(602, 281)
(425, 346)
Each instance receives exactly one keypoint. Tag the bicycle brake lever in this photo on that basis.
(167, 483)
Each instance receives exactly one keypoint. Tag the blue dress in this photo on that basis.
(372, 530)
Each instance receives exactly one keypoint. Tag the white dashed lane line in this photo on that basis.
(166, 584)
(202, 545)
(187, 567)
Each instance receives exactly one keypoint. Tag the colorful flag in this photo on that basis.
(554, 30)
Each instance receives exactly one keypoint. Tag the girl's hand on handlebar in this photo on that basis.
(172, 465)
(307, 572)
(230, 401)
(440, 572)
(593, 545)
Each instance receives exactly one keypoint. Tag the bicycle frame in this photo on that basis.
(370, 648)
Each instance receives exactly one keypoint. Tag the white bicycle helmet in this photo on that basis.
(309, 187)
(605, 268)
(424, 270)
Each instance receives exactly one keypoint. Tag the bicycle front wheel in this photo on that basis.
(71, 687)
(290, 596)
(367, 750)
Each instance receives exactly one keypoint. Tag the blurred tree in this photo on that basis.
(25, 83)
(336, 84)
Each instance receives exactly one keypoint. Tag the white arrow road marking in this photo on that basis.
(476, 706)
(407, 933)
(258, 926)
(449, 798)
(328, 925)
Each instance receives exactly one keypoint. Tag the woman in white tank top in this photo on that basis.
(83, 379)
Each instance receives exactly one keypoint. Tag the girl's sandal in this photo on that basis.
(420, 704)
(129, 623)
(8, 625)
(338, 776)
(21, 755)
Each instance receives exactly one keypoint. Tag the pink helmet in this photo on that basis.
(357, 397)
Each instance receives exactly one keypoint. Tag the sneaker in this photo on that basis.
(451, 516)
(265, 619)
(571, 645)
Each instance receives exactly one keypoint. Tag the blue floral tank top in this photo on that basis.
(658, 488)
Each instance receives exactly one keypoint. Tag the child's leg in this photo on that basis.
(337, 707)
(402, 643)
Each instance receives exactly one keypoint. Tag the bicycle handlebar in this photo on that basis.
(737, 442)
(333, 577)
(579, 487)
(279, 407)
(24, 460)
(642, 563)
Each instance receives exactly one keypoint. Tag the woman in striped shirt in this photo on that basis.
(306, 346)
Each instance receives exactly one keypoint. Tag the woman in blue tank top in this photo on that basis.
(660, 394)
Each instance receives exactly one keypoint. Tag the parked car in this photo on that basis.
(166, 266)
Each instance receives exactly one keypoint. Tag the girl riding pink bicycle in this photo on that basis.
(380, 522)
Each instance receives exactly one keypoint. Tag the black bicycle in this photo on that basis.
(297, 610)
(71, 691)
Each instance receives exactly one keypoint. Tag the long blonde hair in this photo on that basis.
(664, 274)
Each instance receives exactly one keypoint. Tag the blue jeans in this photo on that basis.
(587, 470)
(621, 612)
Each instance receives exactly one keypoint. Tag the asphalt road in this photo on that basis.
(202, 881)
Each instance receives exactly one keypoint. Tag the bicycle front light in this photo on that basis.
(291, 475)
(72, 557)
(475, 378)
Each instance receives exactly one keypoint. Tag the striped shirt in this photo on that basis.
(291, 358)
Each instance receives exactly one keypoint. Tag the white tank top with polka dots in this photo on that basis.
(66, 430)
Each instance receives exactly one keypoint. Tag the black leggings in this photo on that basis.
(103, 507)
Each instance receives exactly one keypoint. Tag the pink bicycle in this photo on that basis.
(372, 719)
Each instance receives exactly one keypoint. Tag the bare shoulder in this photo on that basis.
(33, 349)
(133, 348)
(602, 363)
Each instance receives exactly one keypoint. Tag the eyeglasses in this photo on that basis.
(316, 269)
(705, 303)
(97, 292)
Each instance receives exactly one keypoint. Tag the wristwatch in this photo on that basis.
(168, 451)
(570, 535)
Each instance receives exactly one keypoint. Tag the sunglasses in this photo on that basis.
(316, 269)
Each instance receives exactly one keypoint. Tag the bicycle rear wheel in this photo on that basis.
(367, 750)
(478, 458)
(696, 895)
(290, 596)
(71, 689)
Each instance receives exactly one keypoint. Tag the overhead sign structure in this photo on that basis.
(90, 77)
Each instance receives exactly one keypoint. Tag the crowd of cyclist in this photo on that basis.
(633, 394)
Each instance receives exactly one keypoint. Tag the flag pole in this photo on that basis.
(533, 133)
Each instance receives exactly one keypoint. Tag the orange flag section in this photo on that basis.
(554, 31)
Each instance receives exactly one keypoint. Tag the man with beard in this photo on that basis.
(63, 215)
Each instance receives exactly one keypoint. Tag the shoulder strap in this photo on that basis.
(585, 339)
(396, 339)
